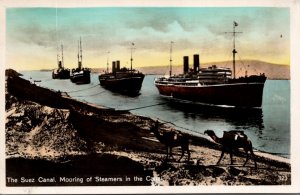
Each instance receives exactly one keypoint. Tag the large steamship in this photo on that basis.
(213, 85)
(122, 80)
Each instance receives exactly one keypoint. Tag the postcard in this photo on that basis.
(150, 97)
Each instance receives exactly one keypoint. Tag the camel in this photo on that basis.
(172, 139)
(233, 140)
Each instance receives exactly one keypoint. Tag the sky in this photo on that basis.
(107, 33)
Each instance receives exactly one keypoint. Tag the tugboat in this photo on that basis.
(213, 85)
(80, 75)
(125, 81)
(60, 72)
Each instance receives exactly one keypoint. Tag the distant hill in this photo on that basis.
(272, 71)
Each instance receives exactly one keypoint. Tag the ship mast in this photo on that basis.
(57, 55)
(57, 47)
(79, 55)
(132, 44)
(60, 62)
(62, 56)
(171, 44)
(235, 24)
(107, 63)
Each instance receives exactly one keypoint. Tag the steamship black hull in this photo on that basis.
(237, 94)
(130, 84)
(61, 74)
(81, 77)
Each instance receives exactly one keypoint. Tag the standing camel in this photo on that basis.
(232, 140)
(172, 139)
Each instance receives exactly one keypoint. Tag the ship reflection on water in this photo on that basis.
(248, 117)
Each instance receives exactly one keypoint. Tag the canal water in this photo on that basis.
(268, 127)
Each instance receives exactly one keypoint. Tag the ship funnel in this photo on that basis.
(118, 65)
(113, 66)
(185, 64)
(196, 63)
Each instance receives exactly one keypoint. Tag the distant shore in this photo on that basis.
(56, 140)
(272, 71)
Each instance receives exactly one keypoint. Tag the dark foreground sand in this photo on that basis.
(52, 139)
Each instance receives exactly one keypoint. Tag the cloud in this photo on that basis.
(33, 34)
(155, 18)
(151, 29)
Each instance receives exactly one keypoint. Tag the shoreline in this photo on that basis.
(91, 131)
(150, 73)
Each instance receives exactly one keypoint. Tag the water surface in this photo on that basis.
(268, 127)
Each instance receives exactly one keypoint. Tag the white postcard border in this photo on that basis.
(294, 6)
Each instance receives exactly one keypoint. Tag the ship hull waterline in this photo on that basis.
(237, 94)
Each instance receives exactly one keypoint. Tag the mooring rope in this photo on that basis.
(91, 94)
(172, 123)
(137, 108)
(82, 89)
(47, 80)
